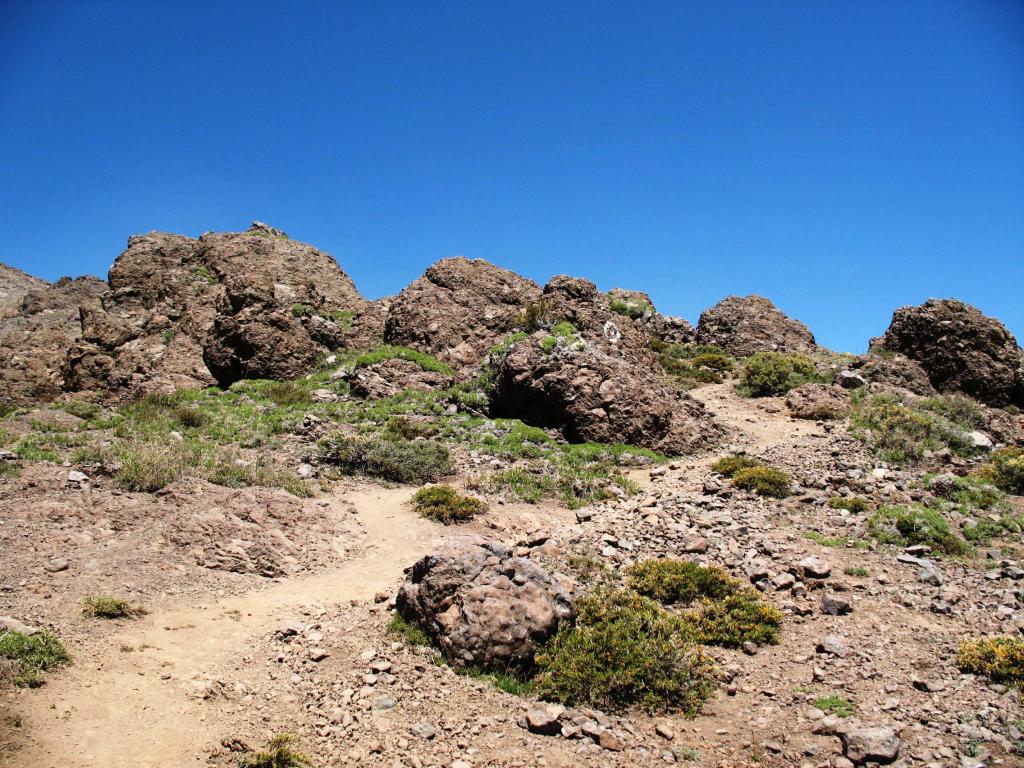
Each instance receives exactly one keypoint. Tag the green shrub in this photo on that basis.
(901, 430)
(631, 308)
(999, 658)
(548, 344)
(826, 541)
(736, 619)
(956, 409)
(772, 373)
(80, 408)
(301, 310)
(730, 465)
(671, 581)
(835, 705)
(278, 754)
(906, 526)
(853, 504)
(535, 315)
(287, 393)
(764, 481)
(401, 461)
(690, 364)
(105, 607)
(1006, 470)
(33, 654)
(624, 650)
(446, 505)
(857, 570)
(387, 352)
(410, 633)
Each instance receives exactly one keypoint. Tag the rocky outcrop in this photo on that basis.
(246, 296)
(818, 401)
(14, 284)
(743, 325)
(459, 309)
(589, 394)
(482, 605)
(960, 349)
(389, 377)
(893, 370)
(36, 333)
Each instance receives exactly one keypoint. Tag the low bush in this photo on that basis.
(730, 465)
(624, 650)
(105, 607)
(401, 461)
(387, 352)
(764, 481)
(771, 373)
(736, 619)
(999, 658)
(278, 754)
(631, 308)
(672, 582)
(33, 655)
(901, 429)
(906, 526)
(1006, 470)
(446, 505)
(407, 429)
(692, 364)
(853, 504)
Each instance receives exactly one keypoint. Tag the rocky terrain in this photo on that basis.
(492, 523)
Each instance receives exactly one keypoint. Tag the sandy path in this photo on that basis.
(141, 709)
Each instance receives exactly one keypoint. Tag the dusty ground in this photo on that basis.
(268, 614)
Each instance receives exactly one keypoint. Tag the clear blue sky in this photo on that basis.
(841, 158)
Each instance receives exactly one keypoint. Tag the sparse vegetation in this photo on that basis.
(387, 352)
(857, 570)
(905, 526)
(278, 754)
(409, 632)
(693, 364)
(835, 705)
(899, 429)
(771, 373)
(999, 658)
(730, 465)
(511, 681)
(632, 308)
(402, 461)
(1006, 470)
(673, 582)
(33, 654)
(764, 481)
(854, 504)
(444, 504)
(106, 607)
(625, 650)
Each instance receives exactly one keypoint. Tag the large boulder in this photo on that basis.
(892, 370)
(389, 377)
(482, 605)
(459, 309)
(818, 401)
(960, 349)
(35, 333)
(592, 395)
(744, 325)
(169, 293)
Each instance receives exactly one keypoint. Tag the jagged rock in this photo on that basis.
(960, 349)
(743, 325)
(390, 377)
(818, 401)
(850, 380)
(670, 329)
(482, 605)
(591, 395)
(893, 371)
(168, 294)
(459, 309)
(38, 322)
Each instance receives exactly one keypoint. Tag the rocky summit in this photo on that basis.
(249, 517)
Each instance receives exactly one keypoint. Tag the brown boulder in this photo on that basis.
(35, 336)
(960, 349)
(459, 309)
(743, 325)
(818, 401)
(589, 394)
(14, 284)
(389, 377)
(893, 370)
(482, 605)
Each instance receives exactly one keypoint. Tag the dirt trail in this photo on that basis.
(754, 424)
(143, 709)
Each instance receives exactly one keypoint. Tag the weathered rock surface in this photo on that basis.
(36, 333)
(818, 401)
(589, 394)
(459, 309)
(390, 377)
(743, 325)
(483, 605)
(14, 284)
(893, 371)
(168, 293)
(960, 349)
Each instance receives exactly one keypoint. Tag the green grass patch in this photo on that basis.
(764, 481)
(443, 504)
(387, 352)
(106, 607)
(407, 631)
(857, 570)
(511, 681)
(401, 461)
(278, 754)
(730, 465)
(835, 705)
(906, 526)
(34, 655)
(854, 504)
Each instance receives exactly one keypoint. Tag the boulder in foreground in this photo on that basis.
(743, 325)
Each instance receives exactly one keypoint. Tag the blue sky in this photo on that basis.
(840, 158)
